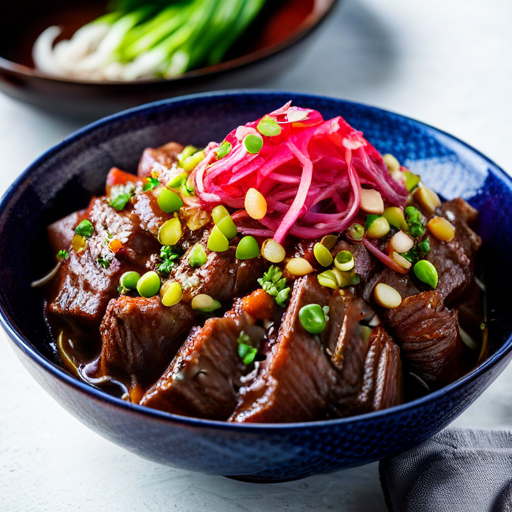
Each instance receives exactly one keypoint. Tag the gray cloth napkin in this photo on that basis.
(457, 470)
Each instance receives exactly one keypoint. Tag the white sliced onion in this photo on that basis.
(47, 278)
(42, 51)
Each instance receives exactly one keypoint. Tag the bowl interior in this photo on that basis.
(278, 22)
(64, 179)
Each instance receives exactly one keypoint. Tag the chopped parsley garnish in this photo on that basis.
(246, 351)
(85, 229)
(418, 252)
(150, 184)
(169, 256)
(120, 201)
(62, 255)
(104, 262)
(416, 221)
(223, 150)
(275, 285)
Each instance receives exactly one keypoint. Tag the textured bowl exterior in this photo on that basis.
(64, 179)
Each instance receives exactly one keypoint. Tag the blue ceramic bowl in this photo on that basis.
(64, 179)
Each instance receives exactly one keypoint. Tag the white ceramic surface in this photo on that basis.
(446, 63)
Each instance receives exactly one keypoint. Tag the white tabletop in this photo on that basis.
(444, 62)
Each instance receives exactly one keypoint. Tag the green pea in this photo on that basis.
(247, 248)
(426, 272)
(217, 242)
(85, 229)
(269, 127)
(169, 201)
(191, 162)
(328, 279)
(170, 232)
(322, 254)
(178, 180)
(129, 280)
(204, 303)
(227, 227)
(197, 256)
(218, 213)
(253, 143)
(312, 318)
(149, 284)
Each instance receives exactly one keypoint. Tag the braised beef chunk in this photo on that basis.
(346, 342)
(223, 276)
(454, 260)
(165, 155)
(84, 286)
(402, 283)
(383, 379)
(295, 381)
(60, 233)
(204, 377)
(428, 336)
(140, 336)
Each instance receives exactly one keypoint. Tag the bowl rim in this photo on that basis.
(21, 342)
(320, 11)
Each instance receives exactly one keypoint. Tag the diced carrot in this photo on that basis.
(118, 177)
(115, 245)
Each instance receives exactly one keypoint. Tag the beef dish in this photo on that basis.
(375, 304)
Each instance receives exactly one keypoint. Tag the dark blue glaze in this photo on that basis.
(65, 177)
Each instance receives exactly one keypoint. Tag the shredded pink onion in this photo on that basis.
(383, 257)
(310, 174)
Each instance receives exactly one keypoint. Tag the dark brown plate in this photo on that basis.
(274, 40)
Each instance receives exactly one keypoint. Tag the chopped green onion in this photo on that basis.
(104, 262)
(378, 228)
(197, 256)
(411, 180)
(247, 248)
(187, 189)
(328, 279)
(246, 351)
(344, 261)
(150, 184)
(370, 219)
(217, 242)
(170, 232)
(178, 180)
(204, 303)
(253, 143)
(227, 227)
(119, 201)
(149, 284)
(269, 127)
(223, 150)
(329, 241)
(322, 254)
(62, 255)
(85, 229)
(426, 272)
(187, 151)
(169, 201)
(190, 163)
(312, 318)
(395, 216)
(356, 231)
(218, 213)
(345, 279)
